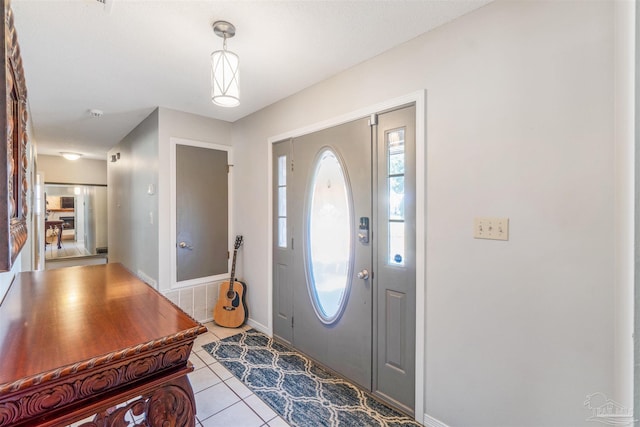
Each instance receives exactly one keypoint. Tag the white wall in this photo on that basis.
(7, 277)
(132, 234)
(520, 124)
(82, 171)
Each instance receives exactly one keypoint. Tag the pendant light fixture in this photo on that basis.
(225, 90)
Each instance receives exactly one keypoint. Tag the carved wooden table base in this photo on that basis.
(171, 405)
(81, 341)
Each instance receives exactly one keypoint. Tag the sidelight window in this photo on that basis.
(329, 231)
(282, 201)
(395, 187)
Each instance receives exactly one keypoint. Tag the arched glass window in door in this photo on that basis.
(329, 232)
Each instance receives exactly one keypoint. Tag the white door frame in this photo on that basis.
(174, 142)
(39, 210)
(419, 98)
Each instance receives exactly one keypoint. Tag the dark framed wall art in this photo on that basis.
(13, 152)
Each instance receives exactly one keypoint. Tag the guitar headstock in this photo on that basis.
(238, 243)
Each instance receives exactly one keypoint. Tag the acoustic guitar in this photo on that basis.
(231, 310)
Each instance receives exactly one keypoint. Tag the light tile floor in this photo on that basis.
(70, 248)
(221, 399)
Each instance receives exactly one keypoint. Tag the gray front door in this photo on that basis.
(201, 212)
(344, 251)
(332, 196)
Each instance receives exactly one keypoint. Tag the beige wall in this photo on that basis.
(57, 169)
(520, 124)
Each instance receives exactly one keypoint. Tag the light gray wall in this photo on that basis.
(521, 107)
(178, 124)
(624, 78)
(520, 124)
(132, 213)
(82, 171)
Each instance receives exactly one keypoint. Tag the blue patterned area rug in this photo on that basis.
(303, 393)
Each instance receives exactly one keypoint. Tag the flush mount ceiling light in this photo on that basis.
(225, 90)
(95, 113)
(71, 156)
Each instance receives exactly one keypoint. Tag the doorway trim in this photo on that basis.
(174, 142)
(419, 98)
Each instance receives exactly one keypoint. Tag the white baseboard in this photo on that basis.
(429, 421)
(259, 326)
(255, 325)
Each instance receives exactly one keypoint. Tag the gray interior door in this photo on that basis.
(201, 212)
(395, 259)
(330, 193)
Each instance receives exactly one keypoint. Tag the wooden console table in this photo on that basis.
(78, 341)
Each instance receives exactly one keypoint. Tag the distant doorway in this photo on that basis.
(75, 221)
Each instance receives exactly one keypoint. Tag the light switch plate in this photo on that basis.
(491, 228)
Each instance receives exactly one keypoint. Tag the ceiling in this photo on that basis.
(126, 57)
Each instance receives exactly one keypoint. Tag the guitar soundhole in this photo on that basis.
(231, 294)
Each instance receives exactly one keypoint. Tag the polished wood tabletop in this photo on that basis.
(62, 322)
(78, 313)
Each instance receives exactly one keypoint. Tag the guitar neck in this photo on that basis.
(233, 270)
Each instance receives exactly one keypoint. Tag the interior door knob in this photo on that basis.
(185, 245)
(364, 274)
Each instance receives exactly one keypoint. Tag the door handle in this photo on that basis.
(364, 274)
(185, 245)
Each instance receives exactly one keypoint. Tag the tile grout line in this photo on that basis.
(224, 381)
(243, 400)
